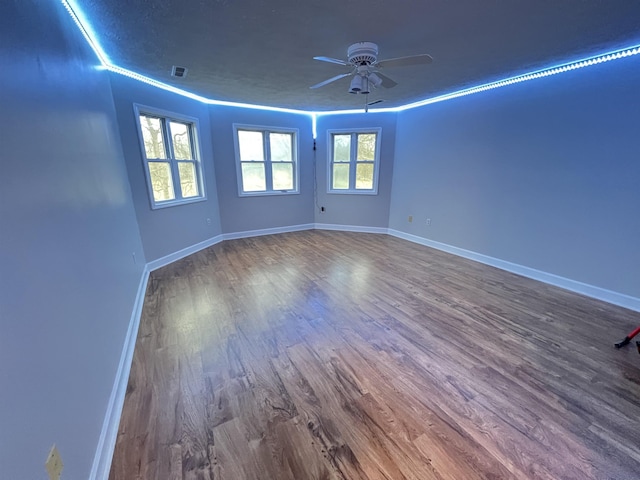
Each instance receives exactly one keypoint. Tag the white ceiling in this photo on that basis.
(261, 52)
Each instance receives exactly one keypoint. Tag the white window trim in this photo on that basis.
(267, 156)
(376, 164)
(195, 129)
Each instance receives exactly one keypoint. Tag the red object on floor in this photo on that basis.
(628, 338)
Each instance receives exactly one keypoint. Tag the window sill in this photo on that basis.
(266, 194)
(176, 203)
(353, 192)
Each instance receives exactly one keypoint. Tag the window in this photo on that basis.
(354, 157)
(172, 161)
(266, 160)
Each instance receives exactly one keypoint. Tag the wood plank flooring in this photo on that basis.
(331, 355)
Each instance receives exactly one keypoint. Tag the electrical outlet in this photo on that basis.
(54, 464)
(208, 221)
(428, 221)
(410, 218)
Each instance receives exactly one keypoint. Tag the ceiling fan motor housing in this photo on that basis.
(362, 53)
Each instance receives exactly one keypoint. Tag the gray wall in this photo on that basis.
(239, 214)
(545, 174)
(359, 210)
(67, 234)
(166, 230)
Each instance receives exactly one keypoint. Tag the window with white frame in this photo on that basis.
(171, 155)
(266, 160)
(354, 158)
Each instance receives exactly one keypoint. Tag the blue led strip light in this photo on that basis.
(200, 98)
(90, 36)
(566, 67)
(314, 125)
(155, 83)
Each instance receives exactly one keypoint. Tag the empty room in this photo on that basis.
(347, 240)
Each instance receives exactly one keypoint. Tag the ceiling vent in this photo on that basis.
(179, 72)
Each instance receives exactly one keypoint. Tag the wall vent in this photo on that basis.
(179, 72)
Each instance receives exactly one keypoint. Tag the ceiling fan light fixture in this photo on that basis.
(375, 80)
(365, 86)
(356, 84)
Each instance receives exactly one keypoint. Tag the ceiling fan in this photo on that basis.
(362, 58)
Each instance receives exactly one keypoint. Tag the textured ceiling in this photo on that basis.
(261, 52)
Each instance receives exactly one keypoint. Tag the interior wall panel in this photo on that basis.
(544, 174)
(241, 214)
(166, 230)
(355, 209)
(71, 257)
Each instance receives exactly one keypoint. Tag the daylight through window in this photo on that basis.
(170, 149)
(353, 163)
(266, 160)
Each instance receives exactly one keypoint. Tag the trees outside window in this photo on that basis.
(353, 161)
(266, 160)
(171, 156)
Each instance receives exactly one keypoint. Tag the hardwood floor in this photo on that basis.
(333, 355)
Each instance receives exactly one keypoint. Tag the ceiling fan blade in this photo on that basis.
(421, 59)
(332, 60)
(386, 81)
(332, 79)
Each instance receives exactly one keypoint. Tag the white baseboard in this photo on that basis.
(620, 299)
(350, 228)
(108, 435)
(306, 226)
(267, 231)
(185, 252)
